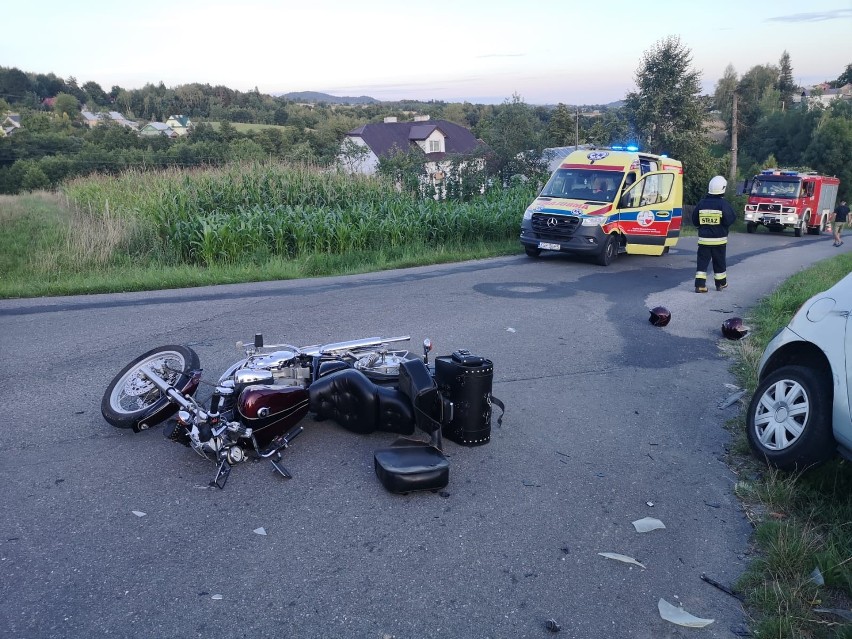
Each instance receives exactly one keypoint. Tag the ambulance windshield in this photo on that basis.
(590, 185)
(765, 187)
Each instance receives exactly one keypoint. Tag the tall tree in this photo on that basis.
(667, 102)
(511, 130)
(723, 95)
(667, 112)
(67, 104)
(562, 127)
(786, 85)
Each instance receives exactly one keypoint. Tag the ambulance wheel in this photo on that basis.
(751, 227)
(609, 253)
(532, 251)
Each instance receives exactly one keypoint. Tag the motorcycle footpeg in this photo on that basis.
(277, 465)
(221, 474)
(281, 442)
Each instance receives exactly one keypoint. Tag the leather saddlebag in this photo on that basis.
(466, 379)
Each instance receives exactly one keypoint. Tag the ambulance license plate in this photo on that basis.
(547, 246)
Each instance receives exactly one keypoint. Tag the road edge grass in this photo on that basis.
(802, 521)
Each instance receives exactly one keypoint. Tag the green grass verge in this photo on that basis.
(803, 521)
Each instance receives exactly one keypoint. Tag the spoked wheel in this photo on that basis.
(131, 395)
(788, 422)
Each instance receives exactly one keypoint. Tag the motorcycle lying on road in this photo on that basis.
(257, 403)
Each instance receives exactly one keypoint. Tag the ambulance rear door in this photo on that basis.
(649, 213)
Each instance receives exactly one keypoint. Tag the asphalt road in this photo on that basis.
(608, 420)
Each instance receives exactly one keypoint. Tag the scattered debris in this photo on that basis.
(138, 513)
(732, 399)
(650, 503)
(680, 616)
(816, 577)
(511, 330)
(216, 597)
(552, 626)
(647, 524)
(622, 558)
(732, 387)
(260, 531)
(721, 587)
(531, 484)
(712, 504)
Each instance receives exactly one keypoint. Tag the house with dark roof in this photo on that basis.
(438, 140)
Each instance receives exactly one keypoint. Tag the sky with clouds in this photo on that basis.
(543, 50)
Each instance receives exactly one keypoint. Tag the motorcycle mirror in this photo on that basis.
(427, 345)
(258, 340)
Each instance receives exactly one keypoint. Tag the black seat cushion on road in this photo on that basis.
(411, 465)
(356, 403)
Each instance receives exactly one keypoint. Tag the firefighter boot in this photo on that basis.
(700, 282)
(721, 283)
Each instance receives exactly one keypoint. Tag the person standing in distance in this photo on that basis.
(713, 216)
(839, 219)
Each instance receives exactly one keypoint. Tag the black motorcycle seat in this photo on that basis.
(410, 465)
(356, 403)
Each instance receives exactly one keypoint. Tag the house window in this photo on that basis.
(434, 146)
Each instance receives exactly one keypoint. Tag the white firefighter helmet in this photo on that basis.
(717, 185)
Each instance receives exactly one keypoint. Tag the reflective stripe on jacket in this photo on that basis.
(713, 216)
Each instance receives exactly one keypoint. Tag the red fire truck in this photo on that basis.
(781, 199)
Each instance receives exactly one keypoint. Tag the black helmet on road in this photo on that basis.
(660, 316)
(733, 328)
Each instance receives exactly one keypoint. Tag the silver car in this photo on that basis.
(800, 413)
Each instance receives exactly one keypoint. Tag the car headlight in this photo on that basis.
(597, 220)
(528, 214)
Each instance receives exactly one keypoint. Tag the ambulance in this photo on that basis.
(603, 202)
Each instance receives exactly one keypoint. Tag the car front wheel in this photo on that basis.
(788, 424)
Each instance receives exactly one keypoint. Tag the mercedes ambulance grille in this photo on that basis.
(549, 226)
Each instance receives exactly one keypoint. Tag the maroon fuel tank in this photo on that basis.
(271, 410)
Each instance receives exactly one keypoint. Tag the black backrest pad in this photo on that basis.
(417, 383)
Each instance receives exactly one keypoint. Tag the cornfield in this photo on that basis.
(249, 212)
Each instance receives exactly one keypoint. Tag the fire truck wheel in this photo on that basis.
(799, 229)
(751, 227)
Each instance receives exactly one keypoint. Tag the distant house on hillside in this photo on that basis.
(153, 129)
(48, 102)
(438, 140)
(10, 124)
(94, 119)
(180, 124)
(823, 94)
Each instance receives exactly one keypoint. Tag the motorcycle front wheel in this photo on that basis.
(130, 395)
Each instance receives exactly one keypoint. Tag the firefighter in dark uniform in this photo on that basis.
(713, 216)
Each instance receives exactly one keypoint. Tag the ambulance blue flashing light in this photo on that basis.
(630, 147)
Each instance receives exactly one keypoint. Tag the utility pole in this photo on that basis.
(733, 178)
(577, 129)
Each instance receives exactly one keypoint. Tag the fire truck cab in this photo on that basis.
(603, 202)
(782, 199)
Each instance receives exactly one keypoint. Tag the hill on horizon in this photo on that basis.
(316, 96)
